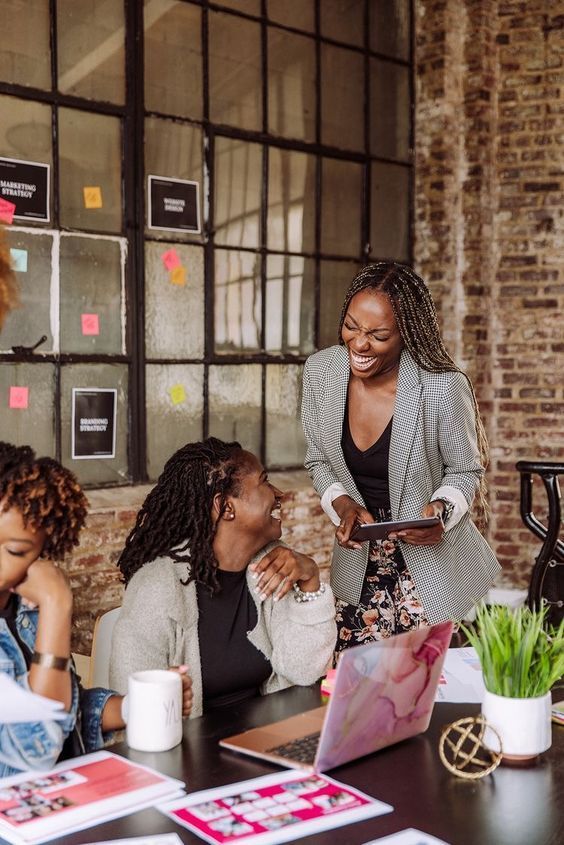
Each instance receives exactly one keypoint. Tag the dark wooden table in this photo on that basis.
(510, 807)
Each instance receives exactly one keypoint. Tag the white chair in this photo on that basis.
(99, 675)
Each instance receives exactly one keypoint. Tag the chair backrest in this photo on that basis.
(101, 648)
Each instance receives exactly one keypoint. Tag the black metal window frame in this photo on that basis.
(132, 116)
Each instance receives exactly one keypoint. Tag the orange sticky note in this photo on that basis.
(170, 259)
(177, 394)
(90, 323)
(7, 210)
(92, 197)
(19, 397)
(178, 276)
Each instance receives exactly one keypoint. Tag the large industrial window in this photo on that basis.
(217, 174)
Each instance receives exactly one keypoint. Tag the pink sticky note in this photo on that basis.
(7, 210)
(90, 324)
(170, 259)
(19, 397)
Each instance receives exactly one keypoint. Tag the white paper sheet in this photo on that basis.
(157, 839)
(19, 705)
(461, 680)
(411, 836)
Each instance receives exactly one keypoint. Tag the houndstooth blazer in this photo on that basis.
(433, 442)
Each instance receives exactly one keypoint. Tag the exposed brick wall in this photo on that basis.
(489, 227)
(92, 570)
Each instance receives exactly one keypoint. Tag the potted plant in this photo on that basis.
(521, 661)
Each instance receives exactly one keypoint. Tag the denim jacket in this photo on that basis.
(37, 745)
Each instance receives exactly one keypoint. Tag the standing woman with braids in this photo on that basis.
(210, 586)
(393, 432)
(42, 510)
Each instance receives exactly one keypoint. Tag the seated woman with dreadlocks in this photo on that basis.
(42, 510)
(394, 432)
(210, 586)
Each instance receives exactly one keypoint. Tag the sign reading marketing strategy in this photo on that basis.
(93, 422)
(173, 204)
(26, 184)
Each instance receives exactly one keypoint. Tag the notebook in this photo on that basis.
(384, 693)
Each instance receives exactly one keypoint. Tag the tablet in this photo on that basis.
(380, 530)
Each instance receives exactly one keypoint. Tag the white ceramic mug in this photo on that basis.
(154, 719)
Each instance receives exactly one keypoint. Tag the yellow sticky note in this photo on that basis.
(177, 394)
(92, 197)
(178, 275)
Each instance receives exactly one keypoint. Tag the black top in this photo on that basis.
(369, 468)
(232, 668)
(9, 614)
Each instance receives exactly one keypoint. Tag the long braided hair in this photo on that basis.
(47, 495)
(176, 517)
(416, 318)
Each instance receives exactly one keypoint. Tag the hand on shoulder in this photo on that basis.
(280, 569)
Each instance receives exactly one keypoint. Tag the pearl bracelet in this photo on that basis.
(301, 596)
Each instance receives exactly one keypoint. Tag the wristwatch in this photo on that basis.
(448, 509)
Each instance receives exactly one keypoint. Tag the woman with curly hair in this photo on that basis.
(210, 586)
(8, 289)
(42, 510)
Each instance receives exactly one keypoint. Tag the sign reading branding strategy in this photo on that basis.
(93, 422)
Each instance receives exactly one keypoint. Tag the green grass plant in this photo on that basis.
(519, 655)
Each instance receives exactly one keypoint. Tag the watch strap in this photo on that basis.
(51, 661)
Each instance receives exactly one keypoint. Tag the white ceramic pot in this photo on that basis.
(523, 725)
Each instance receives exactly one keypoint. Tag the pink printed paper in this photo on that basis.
(7, 210)
(90, 324)
(19, 397)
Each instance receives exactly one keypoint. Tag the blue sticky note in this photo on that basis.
(19, 260)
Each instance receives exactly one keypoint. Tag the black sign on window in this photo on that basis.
(93, 422)
(174, 204)
(26, 184)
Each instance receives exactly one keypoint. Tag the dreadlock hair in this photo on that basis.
(47, 495)
(176, 517)
(8, 288)
(416, 318)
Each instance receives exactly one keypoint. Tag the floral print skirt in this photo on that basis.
(389, 603)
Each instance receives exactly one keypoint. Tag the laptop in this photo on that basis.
(383, 693)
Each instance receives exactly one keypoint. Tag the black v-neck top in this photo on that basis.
(369, 468)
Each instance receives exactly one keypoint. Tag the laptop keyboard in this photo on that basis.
(303, 749)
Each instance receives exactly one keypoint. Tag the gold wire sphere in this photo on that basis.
(462, 749)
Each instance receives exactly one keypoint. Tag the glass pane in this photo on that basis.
(343, 20)
(90, 170)
(389, 27)
(252, 7)
(91, 49)
(235, 71)
(285, 444)
(389, 219)
(238, 184)
(389, 109)
(341, 207)
(336, 277)
(25, 325)
(342, 98)
(174, 313)
(234, 403)
(291, 85)
(33, 421)
(290, 304)
(237, 301)
(173, 54)
(25, 134)
(173, 150)
(25, 57)
(174, 410)
(297, 13)
(92, 308)
(291, 201)
(96, 470)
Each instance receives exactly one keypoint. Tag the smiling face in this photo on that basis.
(20, 546)
(371, 335)
(256, 507)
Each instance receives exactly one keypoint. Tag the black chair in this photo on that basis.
(547, 577)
